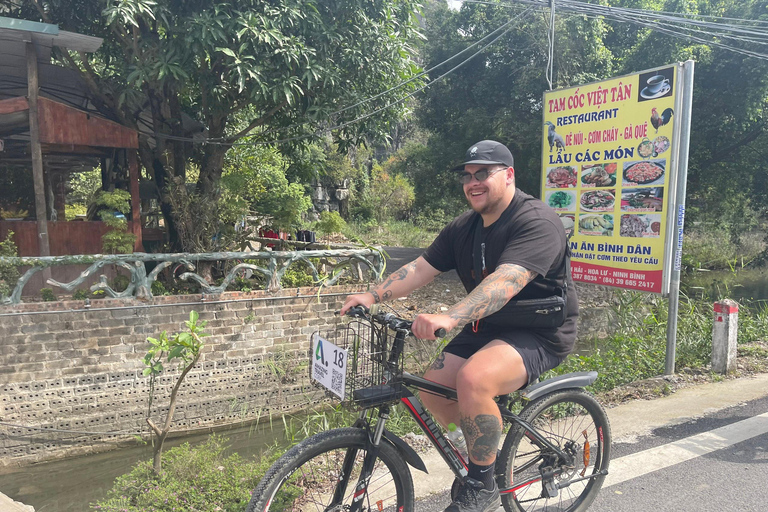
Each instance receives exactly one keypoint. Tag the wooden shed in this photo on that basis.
(49, 127)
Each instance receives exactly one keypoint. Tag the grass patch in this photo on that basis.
(390, 233)
(193, 478)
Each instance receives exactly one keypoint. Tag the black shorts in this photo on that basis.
(536, 358)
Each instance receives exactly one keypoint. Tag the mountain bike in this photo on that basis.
(554, 457)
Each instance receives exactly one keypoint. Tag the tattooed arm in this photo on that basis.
(488, 297)
(399, 284)
(492, 293)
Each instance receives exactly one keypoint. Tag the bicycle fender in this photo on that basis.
(408, 453)
(569, 380)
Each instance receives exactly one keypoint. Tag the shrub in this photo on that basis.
(120, 282)
(9, 274)
(158, 288)
(330, 222)
(113, 208)
(80, 294)
(297, 275)
(47, 295)
(193, 478)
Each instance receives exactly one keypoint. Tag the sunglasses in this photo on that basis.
(481, 175)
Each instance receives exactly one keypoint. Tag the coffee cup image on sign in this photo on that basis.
(656, 84)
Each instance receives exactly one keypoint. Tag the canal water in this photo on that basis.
(71, 485)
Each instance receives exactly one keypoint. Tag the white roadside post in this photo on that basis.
(724, 336)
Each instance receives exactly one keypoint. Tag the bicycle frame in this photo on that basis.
(448, 452)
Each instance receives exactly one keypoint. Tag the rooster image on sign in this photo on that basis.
(660, 120)
(554, 139)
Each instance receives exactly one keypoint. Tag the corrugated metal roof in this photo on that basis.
(47, 35)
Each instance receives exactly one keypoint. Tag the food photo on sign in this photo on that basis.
(561, 177)
(598, 200)
(561, 200)
(569, 223)
(644, 172)
(598, 175)
(642, 199)
(652, 148)
(640, 226)
(596, 225)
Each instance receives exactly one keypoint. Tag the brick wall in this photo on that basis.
(68, 373)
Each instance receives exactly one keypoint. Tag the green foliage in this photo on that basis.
(158, 288)
(298, 274)
(120, 282)
(47, 295)
(387, 196)
(184, 346)
(117, 240)
(9, 273)
(269, 71)
(391, 233)
(255, 180)
(80, 294)
(198, 477)
(636, 347)
(330, 222)
(718, 247)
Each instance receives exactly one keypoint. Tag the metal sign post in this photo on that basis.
(682, 177)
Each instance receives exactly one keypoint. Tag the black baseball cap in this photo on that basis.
(487, 152)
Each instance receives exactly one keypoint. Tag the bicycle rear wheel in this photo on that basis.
(576, 423)
(306, 477)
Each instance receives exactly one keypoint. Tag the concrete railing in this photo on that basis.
(271, 264)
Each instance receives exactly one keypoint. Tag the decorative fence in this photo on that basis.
(272, 264)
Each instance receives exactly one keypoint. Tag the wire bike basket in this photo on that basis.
(350, 363)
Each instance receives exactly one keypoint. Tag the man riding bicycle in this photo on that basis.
(509, 245)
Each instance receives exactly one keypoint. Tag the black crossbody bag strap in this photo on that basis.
(542, 313)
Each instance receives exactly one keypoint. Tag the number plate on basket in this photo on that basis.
(329, 365)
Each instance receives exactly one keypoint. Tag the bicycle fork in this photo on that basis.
(373, 445)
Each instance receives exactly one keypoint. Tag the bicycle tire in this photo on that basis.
(305, 476)
(571, 415)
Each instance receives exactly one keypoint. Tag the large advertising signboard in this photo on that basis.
(609, 172)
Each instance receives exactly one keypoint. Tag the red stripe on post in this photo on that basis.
(726, 308)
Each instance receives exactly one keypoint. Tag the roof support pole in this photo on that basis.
(41, 212)
(133, 186)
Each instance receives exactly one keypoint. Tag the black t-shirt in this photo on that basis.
(529, 234)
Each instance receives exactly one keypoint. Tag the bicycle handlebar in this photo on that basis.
(393, 322)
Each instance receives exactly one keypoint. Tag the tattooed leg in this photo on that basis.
(482, 434)
(496, 369)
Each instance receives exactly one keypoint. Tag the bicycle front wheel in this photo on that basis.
(576, 423)
(309, 477)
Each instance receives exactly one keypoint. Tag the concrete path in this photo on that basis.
(8, 505)
(631, 420)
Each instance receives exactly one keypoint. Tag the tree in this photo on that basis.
(185, 347)
(293, 65)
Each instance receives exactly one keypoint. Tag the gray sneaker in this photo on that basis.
(474, 497)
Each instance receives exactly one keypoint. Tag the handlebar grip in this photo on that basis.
(440, 333)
